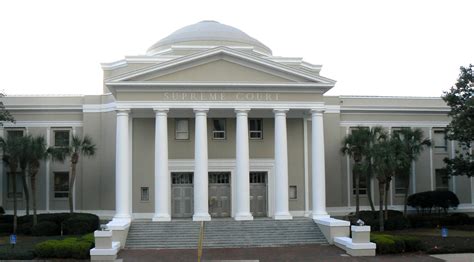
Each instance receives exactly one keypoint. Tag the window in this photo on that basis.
(145, 194)
(182, 129)
(61, 184)
(15, 133)
(19, 185)
(255, 129)
(61, 138)
(178, 178)
(442, 179)
(362, 184)
(400, 184)
(218, 131)
(440, 141)
(293, 194)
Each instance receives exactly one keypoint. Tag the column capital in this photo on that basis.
(161, 110)
(202, 110)
(280, 110)
(122, 111)
(316, 111)
(241, 110)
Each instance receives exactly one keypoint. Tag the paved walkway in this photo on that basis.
(296, 253)
(466, 257)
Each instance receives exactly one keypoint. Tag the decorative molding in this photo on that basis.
(223, 104)
(395, 123)
(222, 51)
(97, 108)
(332, 109)
(44, 124)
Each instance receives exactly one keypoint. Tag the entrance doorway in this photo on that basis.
(219, 194)
(182, 194)
(258, 194)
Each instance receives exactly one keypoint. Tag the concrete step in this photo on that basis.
(224, 233)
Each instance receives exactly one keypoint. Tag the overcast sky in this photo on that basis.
(403, 48)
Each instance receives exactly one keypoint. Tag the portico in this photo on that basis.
(239, 167)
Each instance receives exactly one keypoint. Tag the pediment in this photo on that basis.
(219, 65)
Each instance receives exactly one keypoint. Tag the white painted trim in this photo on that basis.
(432, 180)
(221, 105)
(12, 107)
(332, 109)
(222, 51)
(97, 108)
(306, 168)
(48, 170)
(395, 123)
(215, 165)
(27, 124)
(391, 97)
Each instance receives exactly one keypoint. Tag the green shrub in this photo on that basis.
(395, 221)
(389, 244)
(25, 228)
(80, 224)
(77, 248)
(46, 249)
(435, 220)
(428, 200)
(2, 211)
(6, 219)
(6, 228)
(89, 238)
(45, 228)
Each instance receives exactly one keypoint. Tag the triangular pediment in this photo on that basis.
(219, 65)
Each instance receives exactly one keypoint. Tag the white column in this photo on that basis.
(318, 168)
(123, 180)
(201, 177)
(281, 166)
(242, 166)
(162, 178)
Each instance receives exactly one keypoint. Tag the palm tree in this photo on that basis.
(11, 153)
(413, 144)
(78, 147)
(373, 136)
(354, 146)
(37, 152)
(24, 146)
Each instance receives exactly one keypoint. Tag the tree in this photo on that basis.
(24, 147)
(412, 143)
(460, 98)
(4, 114)
(384, 164)
(37, 152)
(78, 147)
(354, 145)
(11, 154)
(373, 134)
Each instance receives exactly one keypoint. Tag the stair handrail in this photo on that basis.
(200, 241)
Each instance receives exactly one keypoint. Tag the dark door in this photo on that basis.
(258, 194)
(182, 194)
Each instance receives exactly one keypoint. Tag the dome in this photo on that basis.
(207, 33)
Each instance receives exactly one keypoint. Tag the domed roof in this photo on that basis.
(209, 33)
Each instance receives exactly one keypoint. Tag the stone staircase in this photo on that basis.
(220, 233)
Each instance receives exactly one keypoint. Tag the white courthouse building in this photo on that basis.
(209, 124)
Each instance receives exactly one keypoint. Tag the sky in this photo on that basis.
(373, 48)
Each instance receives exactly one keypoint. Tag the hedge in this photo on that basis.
(389, 244)
(45, 228)
(75, 224)
(429, 200)
(395, 221)
(435, 220)
(77, 248)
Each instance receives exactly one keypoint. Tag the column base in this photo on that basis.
(201, 217)
(122, 217)
(319, 215)
(161, 217)
(243, 216)
(283, 216)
